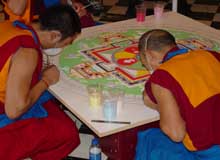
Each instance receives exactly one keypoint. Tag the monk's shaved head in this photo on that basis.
(156, 40)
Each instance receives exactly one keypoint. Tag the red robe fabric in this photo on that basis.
(194, 82)
(50, 138)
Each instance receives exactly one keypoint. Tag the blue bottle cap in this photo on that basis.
(95, 141)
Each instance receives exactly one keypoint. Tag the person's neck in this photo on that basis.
(159, 55)
(35, 26)
(167, 49)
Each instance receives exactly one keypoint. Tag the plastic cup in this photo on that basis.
(158, 9)
(110, 102)
(113, 97)
(110, 108)
(95, 95)
(120, 94)
(140, 12)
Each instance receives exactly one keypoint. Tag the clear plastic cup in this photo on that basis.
(110, 103)
(95, 95)
(110, 108)
(113, 96)
(140, 12)
(158, 9)
(120, 94)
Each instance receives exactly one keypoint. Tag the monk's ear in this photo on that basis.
(55, 36)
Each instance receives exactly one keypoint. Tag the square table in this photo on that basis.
(113, 141)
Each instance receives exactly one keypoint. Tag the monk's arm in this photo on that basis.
(171, 121)
(17, 6)
(19, 94)
(148, 102)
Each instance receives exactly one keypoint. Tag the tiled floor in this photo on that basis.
(205, 11)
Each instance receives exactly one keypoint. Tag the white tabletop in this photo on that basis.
(134, 111)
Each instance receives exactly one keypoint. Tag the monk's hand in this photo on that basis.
(51, 75)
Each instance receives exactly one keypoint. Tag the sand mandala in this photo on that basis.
(113, 58)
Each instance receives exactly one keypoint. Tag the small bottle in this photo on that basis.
(95, 150)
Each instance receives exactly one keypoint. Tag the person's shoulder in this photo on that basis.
(8, 32)
(215, 54)
(27, 55)
(27, 52)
